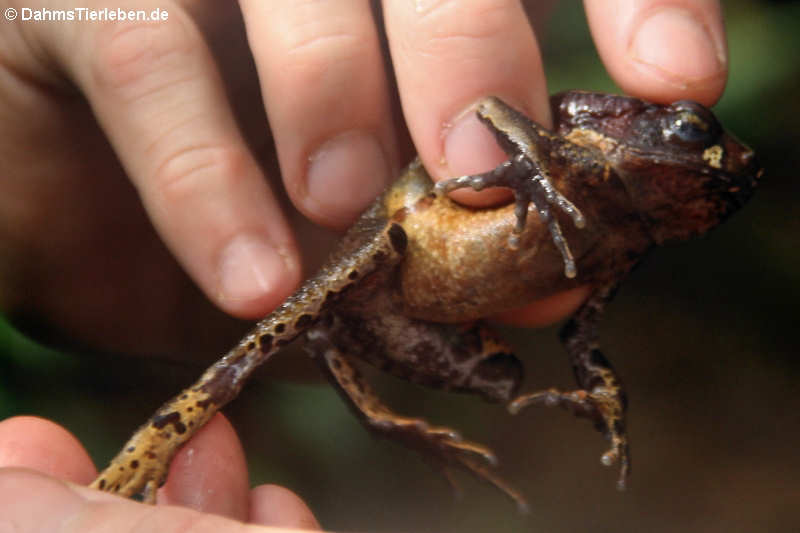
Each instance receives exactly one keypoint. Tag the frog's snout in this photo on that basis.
(748, 158)
(753, 169)
(745, 181)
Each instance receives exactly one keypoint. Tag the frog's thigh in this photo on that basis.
(454, 357)
(443, 445)
(486, 361)
(346, 378)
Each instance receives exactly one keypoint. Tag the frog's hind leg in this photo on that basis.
(601, 397)
(142, 465)
(442, 445)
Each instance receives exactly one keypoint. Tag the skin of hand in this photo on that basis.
(113, 130)
(43, 467)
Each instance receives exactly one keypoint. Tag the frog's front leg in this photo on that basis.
(601, 397)
(444, 445)
(524, 173)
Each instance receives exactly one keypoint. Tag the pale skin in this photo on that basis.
(159, 97)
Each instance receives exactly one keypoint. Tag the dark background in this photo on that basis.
(703, 334)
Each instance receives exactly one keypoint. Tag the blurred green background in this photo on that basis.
(703, 335)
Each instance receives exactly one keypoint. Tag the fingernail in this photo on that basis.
(345, 175)
(249, 268)
(470, 148)
(698, 53)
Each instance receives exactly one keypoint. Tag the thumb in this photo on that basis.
(31, 501)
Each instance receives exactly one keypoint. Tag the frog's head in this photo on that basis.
(683, 172)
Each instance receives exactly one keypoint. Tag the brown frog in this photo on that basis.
(409, 281)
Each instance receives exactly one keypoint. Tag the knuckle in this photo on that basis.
(315, 57)
(207, 170)
(486, 20)
(333, 42)
(136, 56)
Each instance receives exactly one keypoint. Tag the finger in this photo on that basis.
(662, 51)
(210, 473)
(42, 445)
(446, 56)
(157, 94)
(32, 502)
(271, 505)
(325, 91)
(548, 310)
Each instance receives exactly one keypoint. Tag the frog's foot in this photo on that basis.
(141, 467)
(605, 407)
(443, 446)
(530, 184)
(129, 483)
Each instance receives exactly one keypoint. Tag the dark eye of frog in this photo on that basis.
(690, 124)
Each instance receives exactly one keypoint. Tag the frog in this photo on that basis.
(411, 282)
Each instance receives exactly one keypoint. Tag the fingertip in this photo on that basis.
(275, 506)
(470, 148)
(344, 175)
(255, 275)
(698, 65)
(44, 446)
(663, 52)
(209, 473)
(449, 55)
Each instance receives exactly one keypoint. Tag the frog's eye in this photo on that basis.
(691, 124)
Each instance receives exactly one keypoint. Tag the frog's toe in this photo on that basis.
(128, 482)
(485, 473)
(531, 185)
(446, 449)
(457, 447)
(442, 442)
(605, 408)
(138, 470)
(441, 446)
(618, 453)
(477, 182)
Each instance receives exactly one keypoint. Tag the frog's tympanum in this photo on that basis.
(407, 286)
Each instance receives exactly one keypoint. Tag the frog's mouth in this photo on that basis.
(730, 187)
(737, 188)
(681, 214)
(739, 171)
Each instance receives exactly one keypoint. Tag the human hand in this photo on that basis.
(175, 102)
(43, 468)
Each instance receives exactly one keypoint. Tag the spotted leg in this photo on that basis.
(524, 173)
(444, 445)
(142, 465)
(601, 397)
